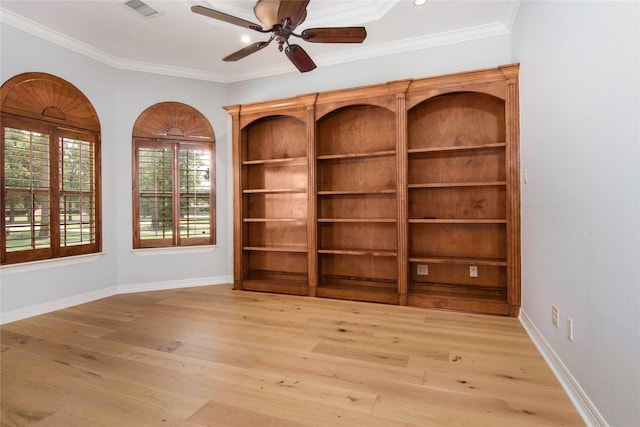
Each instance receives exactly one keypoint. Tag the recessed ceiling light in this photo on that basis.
(245, 39)
(419, 2)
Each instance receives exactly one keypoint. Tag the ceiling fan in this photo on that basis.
(281, 18)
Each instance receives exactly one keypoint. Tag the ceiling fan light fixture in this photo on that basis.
(280, 18)
(267, 12)
(419, 2)
(245, 39)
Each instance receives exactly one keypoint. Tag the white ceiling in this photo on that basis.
(181, 43)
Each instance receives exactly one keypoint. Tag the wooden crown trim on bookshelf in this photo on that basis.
(368, 95)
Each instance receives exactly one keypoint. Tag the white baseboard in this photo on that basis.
(587, 410)
(174, 284)
(59, 304)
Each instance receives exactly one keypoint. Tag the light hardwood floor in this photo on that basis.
(211, 356)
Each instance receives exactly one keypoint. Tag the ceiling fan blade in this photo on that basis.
(335, 35)
(299, 58)
(267, 12)
(220, 16)
(246, 51)
(300, 21)
(295, 10)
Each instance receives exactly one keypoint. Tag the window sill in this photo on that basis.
(174, 250)
(25, 267)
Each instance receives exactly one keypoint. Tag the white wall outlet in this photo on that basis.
(423, 269)
(473, 271)
(555, 316)
(526, 176)
(569, 329)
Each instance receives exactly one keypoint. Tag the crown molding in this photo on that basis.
(356, 54)
(338, 14)
(511, 14)
(374, 51)
(74, 45)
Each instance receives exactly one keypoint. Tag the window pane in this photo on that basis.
(155, 217)
(77, 188)
(195, 189)
(26, 180)
(156, 180)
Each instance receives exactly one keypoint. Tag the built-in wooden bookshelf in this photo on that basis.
(356, 171)
(402, 193)
(274, 205)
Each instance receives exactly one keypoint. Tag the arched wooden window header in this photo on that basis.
(49, 98)
(173, 119)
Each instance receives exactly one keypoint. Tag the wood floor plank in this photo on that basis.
(211, 356)
(367, 356)
(220, 414)
(84, 393)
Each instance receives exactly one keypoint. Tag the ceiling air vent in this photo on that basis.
(141, 8)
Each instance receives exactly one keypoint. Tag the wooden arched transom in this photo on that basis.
(173, 120)
(49, 98)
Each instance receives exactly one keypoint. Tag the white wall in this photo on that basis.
(134, 92)
(118, 96)
(483, 53)
(21, 53)
(580, 115)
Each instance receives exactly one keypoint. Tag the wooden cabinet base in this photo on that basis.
(464, 304)
(359, 293)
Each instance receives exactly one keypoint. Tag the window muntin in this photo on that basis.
(175, 193)
(195, 191)
(77, 191)
(26, 189)
(156, 192)
(50, 191)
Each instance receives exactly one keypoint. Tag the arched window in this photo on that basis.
(50, 160)
(173, 177)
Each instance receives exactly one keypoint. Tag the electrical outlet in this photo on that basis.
(473, 271)
(569, 329)
(423, 269)
(555, 316)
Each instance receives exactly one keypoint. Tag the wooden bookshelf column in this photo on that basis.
(401, 193)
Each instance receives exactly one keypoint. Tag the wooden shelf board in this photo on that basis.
(274, 190)
(299, 249)
(353, 192)
(275, 161)
(274, 220)
(384, 153)
(459, 290)
(440, 149)
(458, 184)
(289, 287)
(459, 260)
(468, 305)
(457, 221)
(371, 252)
(359, 220)
(387, 294)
